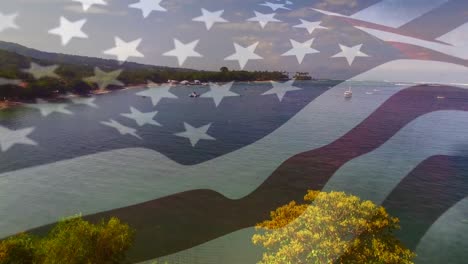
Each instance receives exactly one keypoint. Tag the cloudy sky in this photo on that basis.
(158, 30)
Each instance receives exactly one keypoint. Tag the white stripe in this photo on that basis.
(437, 246)
(457, 37)
(460, 52)
(221, 250)
(104, 181)
(329, 13)
(396, 13)
(373, 176)
(391, 13)
(447, 239)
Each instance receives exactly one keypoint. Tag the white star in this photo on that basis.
(142, 118)
(9, 138)
(8, 21)
(243, 55)
(47, 108)
(123, 130)
(218, 92)
(104, 79)
(88, 3)
(85, 101)
(274, 6)
(350, 53)
(183, 51)
(263, 19)
(195, 134)
(156, 93)
(124, 50)
(280, 89)
(148, 6)
(39, 71)
(68, 30)
(210, 18)
(310, 26)
(300, 50)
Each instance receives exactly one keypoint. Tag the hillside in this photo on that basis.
(57, 58)
(73, 73)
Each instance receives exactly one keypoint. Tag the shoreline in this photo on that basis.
(9, 103)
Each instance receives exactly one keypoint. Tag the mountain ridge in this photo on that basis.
(60, 58)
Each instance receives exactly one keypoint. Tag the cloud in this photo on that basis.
(274, 27)
(266, 46)
(97, 10)
(303, 12)
(334, 4)
(176, 5)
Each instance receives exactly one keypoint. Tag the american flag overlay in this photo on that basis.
(193, 176)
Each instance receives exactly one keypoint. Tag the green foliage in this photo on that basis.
(72, 241)
(17, 250)
(334, 228)
(72, 75)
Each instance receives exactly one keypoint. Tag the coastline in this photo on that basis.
(10, 103)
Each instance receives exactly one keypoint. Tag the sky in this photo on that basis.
(158, 29)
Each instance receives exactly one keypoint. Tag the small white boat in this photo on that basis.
(194, 95)
(348, 93)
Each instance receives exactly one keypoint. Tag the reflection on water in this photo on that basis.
(40, 195)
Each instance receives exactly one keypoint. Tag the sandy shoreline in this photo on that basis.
(9, 103)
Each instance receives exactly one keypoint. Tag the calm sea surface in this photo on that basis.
(427, 149)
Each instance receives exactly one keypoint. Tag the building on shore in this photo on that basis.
(302, 76)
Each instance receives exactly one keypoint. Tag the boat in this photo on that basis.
(194, 95)
(348, 93)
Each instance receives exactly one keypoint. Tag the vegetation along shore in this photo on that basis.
(27, 74)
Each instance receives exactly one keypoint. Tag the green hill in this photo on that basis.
(58, 58)
(72, 70)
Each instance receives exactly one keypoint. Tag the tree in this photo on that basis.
(224, 69)
(334, 228)
(71, 241)
(18, 249)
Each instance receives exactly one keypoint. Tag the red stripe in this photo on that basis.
(181, 221)
(426, 193)
(439, 21)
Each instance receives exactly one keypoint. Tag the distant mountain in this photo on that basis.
(58, 58)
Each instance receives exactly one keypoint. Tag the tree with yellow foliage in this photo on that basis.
(332, 228)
